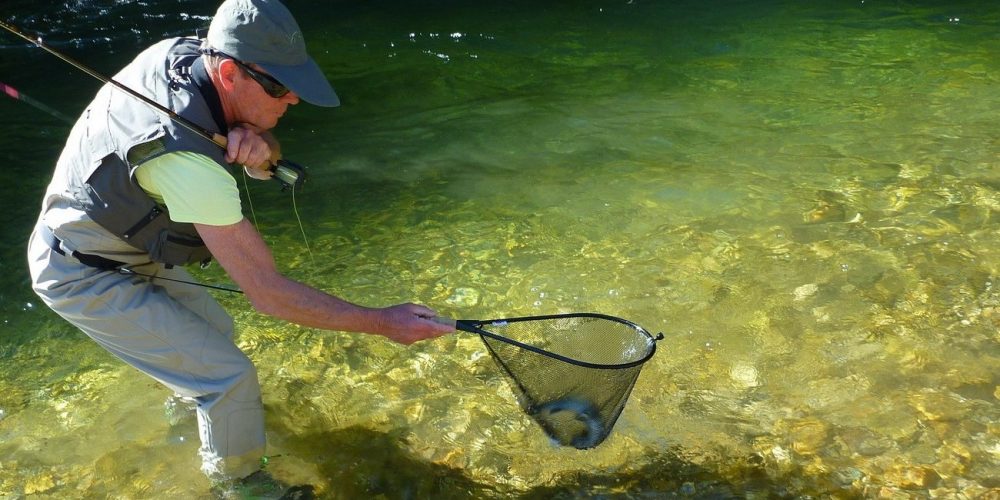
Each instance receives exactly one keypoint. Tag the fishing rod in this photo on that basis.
(288, 173)
(21, 96)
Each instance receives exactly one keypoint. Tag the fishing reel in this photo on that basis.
(290, 174)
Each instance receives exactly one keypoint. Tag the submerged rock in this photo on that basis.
(463, 297)
(804, 292)
(39, 484)
(938, 406)
(913, 477)
(809, 435)
(744, 375)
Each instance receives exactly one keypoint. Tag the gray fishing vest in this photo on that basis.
(122, 132)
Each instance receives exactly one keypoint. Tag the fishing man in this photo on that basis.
(135, 196)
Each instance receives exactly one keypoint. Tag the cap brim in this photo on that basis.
(307, 81)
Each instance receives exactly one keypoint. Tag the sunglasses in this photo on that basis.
(273, 87)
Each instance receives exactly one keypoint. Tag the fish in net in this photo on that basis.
(572, 373)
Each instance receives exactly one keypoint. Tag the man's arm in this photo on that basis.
(246, 258)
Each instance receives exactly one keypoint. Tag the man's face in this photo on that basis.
(254, 106)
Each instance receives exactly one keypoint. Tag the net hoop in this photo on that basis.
(476, 326)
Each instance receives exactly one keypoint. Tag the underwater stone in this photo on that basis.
(913, 477)
(744, 375)
(937, 406)
(847, 476)
(865, 442)
(807, 435)
(463, 297)
(39, 484)
(805, 291)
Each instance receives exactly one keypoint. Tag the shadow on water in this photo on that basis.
(364, 463)
(359, 462)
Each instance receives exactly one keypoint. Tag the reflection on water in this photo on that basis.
(804, 200)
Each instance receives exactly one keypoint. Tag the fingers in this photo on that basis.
(428, 314)
(429, 328)
(445, 321)
(413, 323)
(247, 147)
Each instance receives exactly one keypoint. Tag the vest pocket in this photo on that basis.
(175, 248)
(143, 222)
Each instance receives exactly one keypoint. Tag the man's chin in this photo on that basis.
(268, 126)
(259, 126)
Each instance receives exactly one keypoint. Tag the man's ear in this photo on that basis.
(228, 73)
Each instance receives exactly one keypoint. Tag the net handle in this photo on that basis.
(475, 326)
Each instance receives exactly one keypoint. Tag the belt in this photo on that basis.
(85, 259)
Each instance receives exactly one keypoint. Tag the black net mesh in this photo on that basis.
(573, 373)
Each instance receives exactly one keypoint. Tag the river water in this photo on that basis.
(802, 197)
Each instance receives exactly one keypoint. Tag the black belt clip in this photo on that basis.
(95, 261)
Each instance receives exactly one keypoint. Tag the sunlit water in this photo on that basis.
(804, 200)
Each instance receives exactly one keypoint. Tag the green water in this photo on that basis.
(803, 197)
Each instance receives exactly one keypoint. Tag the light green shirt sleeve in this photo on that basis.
(194, 188)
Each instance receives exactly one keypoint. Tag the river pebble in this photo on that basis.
(39, 484)
(913, 477)
(938, 406)
(744, 375)
(463, 297)
(805, 291)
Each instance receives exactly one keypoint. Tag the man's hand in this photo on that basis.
(255, 150)
(409, 323)
(241, 251)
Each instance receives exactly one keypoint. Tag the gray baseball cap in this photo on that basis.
(265, 33)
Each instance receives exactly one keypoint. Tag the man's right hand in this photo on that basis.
(241, 251)
(409, 323)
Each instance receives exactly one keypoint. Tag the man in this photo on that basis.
(135, 195)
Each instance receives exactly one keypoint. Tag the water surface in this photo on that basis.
(802, 198)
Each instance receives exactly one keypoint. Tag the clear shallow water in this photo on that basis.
(804, 200)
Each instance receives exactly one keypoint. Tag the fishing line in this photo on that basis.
(246, 187)
(295, 210)
(129, 272)
(302, 229)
